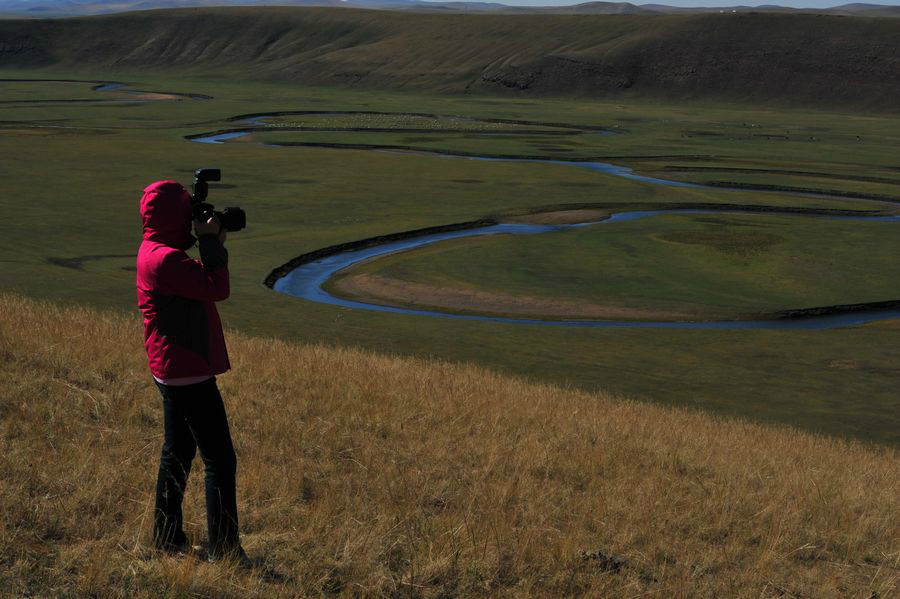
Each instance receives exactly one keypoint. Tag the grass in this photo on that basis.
(375, 475)
(801, 60)
(808, 151)
(72, 192)
(706, 266)
(397, 121)
(25, 92)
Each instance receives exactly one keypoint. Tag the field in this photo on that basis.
(466, 453)
(698, 267)
(75, 171)
(376, 476)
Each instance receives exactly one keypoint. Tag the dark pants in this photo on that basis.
(195, 417)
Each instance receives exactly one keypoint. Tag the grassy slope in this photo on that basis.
(799, 59)
(382, 476)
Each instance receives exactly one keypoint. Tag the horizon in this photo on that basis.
(705, 3)
(694, 3)
(812, 4)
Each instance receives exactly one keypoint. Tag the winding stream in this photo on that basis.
(141, 95)
(601, 167)
(307, 280)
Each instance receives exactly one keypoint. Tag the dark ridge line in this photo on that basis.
(805, 190)
(282, 270)
(770, 171)
(277, 129)
(433, 116)
(791, 314)
(430, 131)
(802, 313)
(712, 206)
(711, 157)
(404, 148)
(85, 128)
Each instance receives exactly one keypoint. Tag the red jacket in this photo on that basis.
(176, 294)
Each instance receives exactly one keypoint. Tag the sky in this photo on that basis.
(681, 3)
(698, 3)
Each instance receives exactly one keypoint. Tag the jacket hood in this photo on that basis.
(166, 214)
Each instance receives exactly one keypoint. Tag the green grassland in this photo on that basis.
(26, 92)
(709, 266)
(395, 122)
(735, 153)
(73, 175)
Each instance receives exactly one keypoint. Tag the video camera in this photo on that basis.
(231, 219)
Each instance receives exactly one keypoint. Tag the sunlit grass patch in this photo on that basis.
(371, 475)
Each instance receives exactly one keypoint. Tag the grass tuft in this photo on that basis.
(372, 475)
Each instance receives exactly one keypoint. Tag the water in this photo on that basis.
(605, 168)
(306, 281)
(601, 167)
(108, 87)
(219, 138)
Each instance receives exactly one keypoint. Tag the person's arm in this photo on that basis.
(209, 281)
(212, 251)
(183, 276)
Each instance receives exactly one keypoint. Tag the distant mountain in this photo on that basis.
(68, 8)
(591, 8)
(449, 6)
(869, 10)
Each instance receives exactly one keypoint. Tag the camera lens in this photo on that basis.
(233, 219)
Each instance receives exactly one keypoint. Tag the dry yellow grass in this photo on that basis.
(366, 475)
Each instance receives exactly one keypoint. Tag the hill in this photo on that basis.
(867, 10)
(72, 8)
(372, 475)
(799, 59)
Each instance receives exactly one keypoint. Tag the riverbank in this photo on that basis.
(333, 275)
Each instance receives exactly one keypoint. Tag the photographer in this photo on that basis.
(186, 350)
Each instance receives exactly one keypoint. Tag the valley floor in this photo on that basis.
(78, 149)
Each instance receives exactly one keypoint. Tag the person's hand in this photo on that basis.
(210, 227)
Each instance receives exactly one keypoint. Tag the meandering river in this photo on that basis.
(307, 280)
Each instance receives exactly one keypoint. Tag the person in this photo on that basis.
(185, 351)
